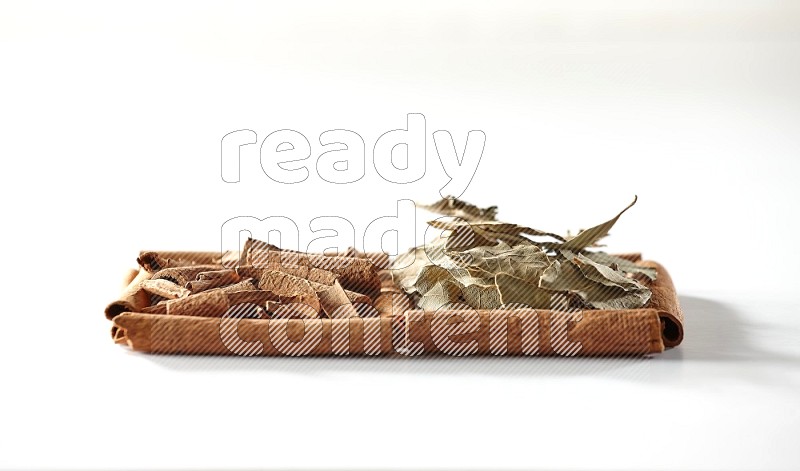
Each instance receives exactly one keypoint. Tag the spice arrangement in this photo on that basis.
(481, 287)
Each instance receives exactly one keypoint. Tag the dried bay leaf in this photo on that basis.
(514, 290)
(589, 237)
(408, 266)
(480, 296)
(622, 264)
(567, 277)
(495, 231)
(525, 261)
(451, 206)
(600, 273)
(440, 295)
(430, 276)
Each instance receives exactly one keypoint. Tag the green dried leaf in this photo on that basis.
(523, 261)
(430, 276)
(443, 294)
(412, 262)
(589, 237)
(567, 277)
(481, 296)
(495, 231)
(600, 273)
(514, 290)
(624, 265)
(451, 206)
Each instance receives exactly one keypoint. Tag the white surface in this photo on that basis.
(111, 121)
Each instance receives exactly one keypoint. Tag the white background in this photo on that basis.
(110, 126)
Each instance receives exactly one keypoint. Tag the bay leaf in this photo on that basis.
(624, 265)
(430, 276)
(497, 231)
(451, 206)
(406, 267)
(600, 273)
(514, 290)
(440, 295)
(568, 277)
(590, 236)
(481, 296)
(526, 261)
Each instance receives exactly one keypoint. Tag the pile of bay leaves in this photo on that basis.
(486, 264)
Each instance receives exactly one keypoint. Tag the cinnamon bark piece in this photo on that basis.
(288, 286)
(154, 261)
(153, 333)
(304, 271)
(213, 279)
(133, 297)
(244, 285)
(664, 299)
(165, 289)
(335, 303)
(380, 260)
(129, 276)
(355, 274)
(391, 304)
(216, 303)
(535, 332)
(183, 275)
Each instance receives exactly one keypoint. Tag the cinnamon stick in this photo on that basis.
(133, 297)
(309, 273)
(534, 332)
(184, 274)
(213, 279)
(154, 261)
(355, 274)
(215, 303)
(288, 286)
(244, 285)
(165, 289)
(335, 303)
(664, 299)
(153, 333)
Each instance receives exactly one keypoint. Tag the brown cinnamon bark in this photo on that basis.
(213, 279)
(244, 285)
(664, 299)
(129, 276)
(334, 301)
(391, 304)
(155, 333)
(288, 286)
(306, 272)
(534, 332)
(183, 275)
(355, 274)
(380, 260)
(154, 261)
(215, 303)
(133, 297)
(165, 288)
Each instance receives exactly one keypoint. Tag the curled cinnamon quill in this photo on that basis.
(212, 279)
(133, 298)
